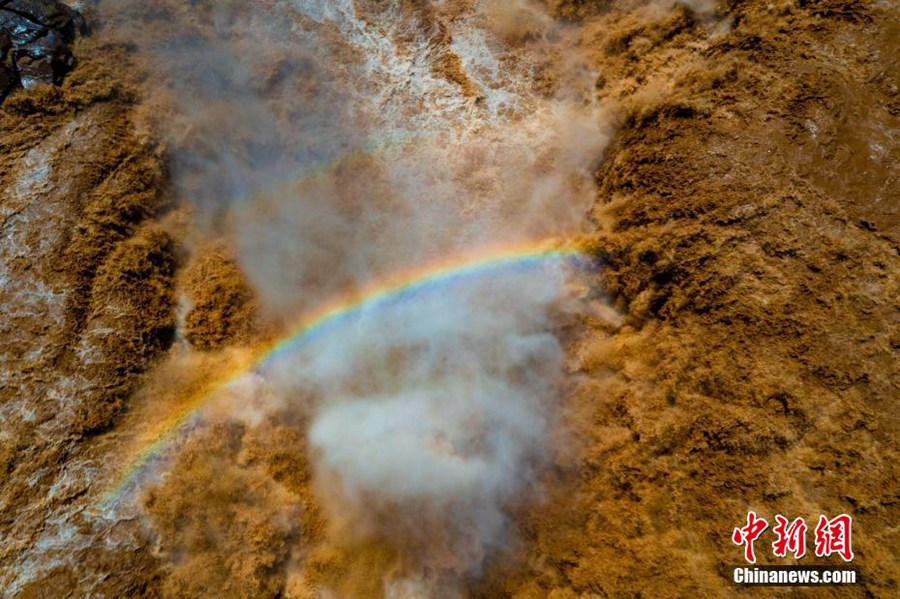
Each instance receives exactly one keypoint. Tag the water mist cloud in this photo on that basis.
(340, 143)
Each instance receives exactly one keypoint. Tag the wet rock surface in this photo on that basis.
(35, 42)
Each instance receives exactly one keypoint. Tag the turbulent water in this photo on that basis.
(337, 145)
(309, 298)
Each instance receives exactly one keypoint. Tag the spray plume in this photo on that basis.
(336, 144)
(340, 313)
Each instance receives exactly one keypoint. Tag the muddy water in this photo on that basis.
(853, 144)
(746, 218)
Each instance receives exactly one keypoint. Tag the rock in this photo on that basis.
(35, 40)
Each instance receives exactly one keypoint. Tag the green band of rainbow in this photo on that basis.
(335, 313)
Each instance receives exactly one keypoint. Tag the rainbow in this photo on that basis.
(330, 316)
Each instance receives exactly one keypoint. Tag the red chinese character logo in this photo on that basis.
(833, 536)
(748, 534)
(790, 537)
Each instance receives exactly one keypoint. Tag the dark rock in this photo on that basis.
(35, 42)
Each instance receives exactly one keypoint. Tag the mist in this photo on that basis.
(335, 145)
